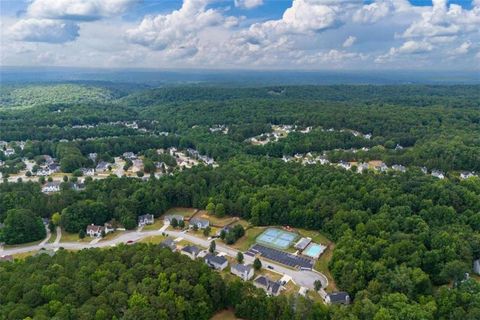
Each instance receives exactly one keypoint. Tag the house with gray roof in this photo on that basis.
(271, 287)
(216, 262)
(244, 271)
(170, 217)
(169, 244)
(145, 219)
(190, 251)
(200, 223)
(340, 297)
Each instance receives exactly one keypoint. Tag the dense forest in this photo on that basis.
(403, 241)
(132, 282)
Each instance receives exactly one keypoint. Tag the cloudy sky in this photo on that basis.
(244, 34)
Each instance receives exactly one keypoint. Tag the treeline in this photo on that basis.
(133, 282)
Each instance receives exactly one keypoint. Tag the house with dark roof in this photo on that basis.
(466, 174)
(271, 287)
(190, 251)
(340, 297)
(169, 244)
(200, 223)
(438, 174)
(145, 219)
(244, 271)
(216, 262)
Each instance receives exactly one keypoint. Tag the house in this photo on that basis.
(169, 244)
(302, 243)
(438, 174)
(345, 165)
(271, 287)
(245, 272)
(102, 166)
(145, 219)
(53, 168)
(191, 251)
(216, 262)
(362, 167)
(399, 167)
(51, 187)
(337, 298)
(476, 266)
(225, 229)
(170, 217)
(87, 171)
(129, 155)
(424, 170)
(382, 167)
(94, 231)
(466, 174)
(92, 156)
(200, 223)
(9, 152)
(398, 147)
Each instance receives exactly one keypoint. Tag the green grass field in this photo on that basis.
(249, 239)
(185, 212)
(155, 226)
(73, 237)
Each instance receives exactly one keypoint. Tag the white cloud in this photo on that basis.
(44, 30)
(248, 4)
(464, 48)
(180, 28)
(373, 12)
(83, 10)
(349, 41)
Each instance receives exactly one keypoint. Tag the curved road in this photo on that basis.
(304, 278)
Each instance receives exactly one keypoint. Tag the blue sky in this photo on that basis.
(242, 34)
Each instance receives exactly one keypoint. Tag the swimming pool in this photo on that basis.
(314, 250)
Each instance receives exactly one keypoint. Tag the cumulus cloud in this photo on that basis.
(349, 41)
(248, 4)
(373, 12)
(44, 30)
(82, 10)
(464, 48)
(179, 30)
(408, 48)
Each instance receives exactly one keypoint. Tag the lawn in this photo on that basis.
(245, 242)
(52, 237)
(111, 236)
(24, 255)
(155, 226)
(185, 212)
(153, 239)
(73, 237)
(214, 220)
(225, 315)
(23, 245)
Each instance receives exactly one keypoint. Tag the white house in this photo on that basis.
(216, 262)
(200, 223)
(94, 231)
(245, 272)
(9, 152)
(51, 187)
(466, 174)
(438, 174)
(88, 171)
(399, 167)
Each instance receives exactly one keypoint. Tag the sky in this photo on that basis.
(242, 34)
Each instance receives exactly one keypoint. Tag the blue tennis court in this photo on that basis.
(276, 238)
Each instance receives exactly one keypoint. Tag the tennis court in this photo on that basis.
(276, 238)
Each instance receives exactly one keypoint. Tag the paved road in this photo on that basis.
(302, 278)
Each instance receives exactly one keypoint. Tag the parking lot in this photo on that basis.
(281, 257)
